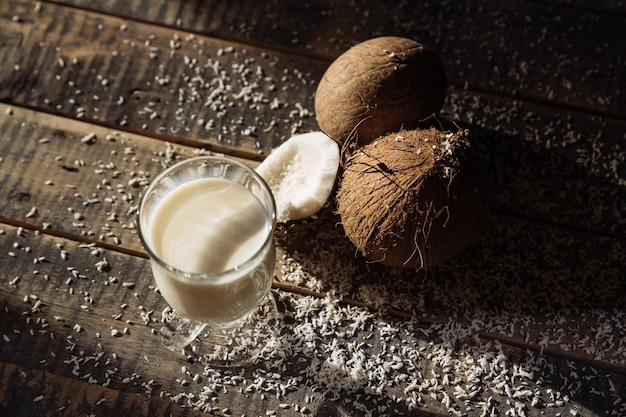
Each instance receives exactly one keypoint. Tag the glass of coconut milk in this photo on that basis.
(207, 224)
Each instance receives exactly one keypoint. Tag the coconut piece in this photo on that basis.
(379, 86)
(301, 174)
(412, 199)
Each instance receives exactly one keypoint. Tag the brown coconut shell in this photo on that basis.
(413, 199)
(379, 86)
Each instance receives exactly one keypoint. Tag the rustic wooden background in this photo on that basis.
(97, 97)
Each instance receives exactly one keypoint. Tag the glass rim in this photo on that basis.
(197, 276)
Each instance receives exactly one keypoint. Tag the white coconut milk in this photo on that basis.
(209, 226)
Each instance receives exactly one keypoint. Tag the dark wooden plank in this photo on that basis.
(616, 7)
(543, 285)
(147, 78)
(539, 287)
(530, 50)
(28, 392)
(78, 319)
(550, 164)
(71, 304)
(588, 149)
(72, 178)
(92, 189)
(332, 357)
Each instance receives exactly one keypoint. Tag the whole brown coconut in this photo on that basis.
(379, 86)
(412, 199)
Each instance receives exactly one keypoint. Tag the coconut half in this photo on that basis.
(301, 174)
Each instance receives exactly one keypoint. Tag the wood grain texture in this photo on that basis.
(98, 97)
(90, 193)
(169, 83)
(165, 103)
(95, 173)
(515, 40)
(60, 331)
(73, 178)
(79, 322)
(549, 163)
(27, 392)
(520, 278)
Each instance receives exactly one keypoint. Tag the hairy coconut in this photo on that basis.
(412, 199)
(379, 86)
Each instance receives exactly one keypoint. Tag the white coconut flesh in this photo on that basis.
(301, 174)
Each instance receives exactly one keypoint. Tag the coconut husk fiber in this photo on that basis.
(413, 199)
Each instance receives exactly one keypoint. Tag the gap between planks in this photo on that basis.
(533, 99)
(177, 140)
(393, 312)
(619, 368)
(239, 41)
(37, 391)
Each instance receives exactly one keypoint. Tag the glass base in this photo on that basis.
(178, 331)
(246, 343)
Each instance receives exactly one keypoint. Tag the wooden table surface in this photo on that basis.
(97, 97)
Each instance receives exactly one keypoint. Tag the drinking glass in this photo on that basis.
(211, 300)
